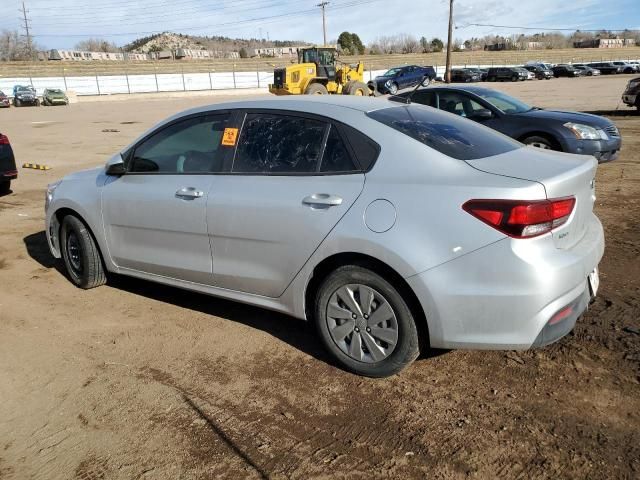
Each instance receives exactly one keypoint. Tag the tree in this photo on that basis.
(424, 44)
(356, 44)
(96, 45)
(437, 45)
(13, 46)
(345, 42)
(243, 53)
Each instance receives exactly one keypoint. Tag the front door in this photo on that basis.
(292, 180)
(155, 214)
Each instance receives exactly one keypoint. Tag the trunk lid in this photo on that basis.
(561, 175)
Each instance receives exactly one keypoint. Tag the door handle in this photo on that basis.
(322, 200)
(189, 193)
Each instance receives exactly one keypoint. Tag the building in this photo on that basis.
(605, 43)
(497, 47)
(277, 52)
(81, 56)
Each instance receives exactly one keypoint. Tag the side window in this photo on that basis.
(425, 97)
(188, 146)
(459, 104)
(336, 157)
(279, 144)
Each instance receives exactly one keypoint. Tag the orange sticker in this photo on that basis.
(229, 136)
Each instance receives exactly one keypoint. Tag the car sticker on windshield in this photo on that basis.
(229, 137)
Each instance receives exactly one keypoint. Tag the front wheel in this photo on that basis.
(515, 78)
(426, 82)
(393, 88)
(539, 142)
(359, 89)
(365, 323)
(81, 254)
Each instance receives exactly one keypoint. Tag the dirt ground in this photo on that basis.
(135, 380)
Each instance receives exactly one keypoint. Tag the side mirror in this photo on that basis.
(115, 166)
(483, 114)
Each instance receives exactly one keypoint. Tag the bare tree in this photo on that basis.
(96, 45)
(13, 46)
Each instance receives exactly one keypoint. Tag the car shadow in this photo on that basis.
(295, 332)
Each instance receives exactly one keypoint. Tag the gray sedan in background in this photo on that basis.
(391, 227)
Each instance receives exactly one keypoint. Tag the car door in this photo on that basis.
(155, 214)
(293, 178)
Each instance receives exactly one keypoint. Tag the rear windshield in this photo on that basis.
(449, 134)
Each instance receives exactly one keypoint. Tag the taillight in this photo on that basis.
(522, 218)
(4, 140)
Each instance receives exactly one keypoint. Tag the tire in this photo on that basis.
(5, 187)
(398, 325)
(515, 78)
(491, 79)
(359, 89)
(81, 254)
(426, 82)
(316, 89)
(540, 142)
(393, 88)
(17, 103)
(37, 104)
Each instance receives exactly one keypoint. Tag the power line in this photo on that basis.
(543, 28)
(265, 19)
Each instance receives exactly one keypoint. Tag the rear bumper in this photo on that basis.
(502, 296)
(8, 175)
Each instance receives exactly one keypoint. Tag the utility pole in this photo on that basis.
(324, 23)
(447, 71)
(26, 28)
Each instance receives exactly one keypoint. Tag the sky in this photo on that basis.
(62, 23)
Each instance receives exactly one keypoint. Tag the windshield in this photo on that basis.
(504, 102)
(55, 90)
(449, 134)
(24, 89)
(391, 73)
(321, 57)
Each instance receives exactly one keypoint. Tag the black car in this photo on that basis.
(8, 169)
(481, 72)
(571, 132)
(606, 68)
(464, 75)
(25, 96)
(565, 71)
(631, 94)
(402, 77)
(505, 73)
(540, 72)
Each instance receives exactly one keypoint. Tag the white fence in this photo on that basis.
(162, 82)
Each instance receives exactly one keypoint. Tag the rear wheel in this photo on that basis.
(81, 254)
(316, 89)
(426, 82)
(365, 323)
(491, 79)
(359, 89)
(539, 142)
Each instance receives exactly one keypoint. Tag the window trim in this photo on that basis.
(127, 155)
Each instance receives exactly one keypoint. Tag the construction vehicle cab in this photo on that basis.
(317, 73)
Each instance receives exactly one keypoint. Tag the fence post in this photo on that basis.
(126, 75)
(184, 86)
(64, 78)
(97, 84)
(155, 73)
(258, 76)
(210, 82)
(234, 76)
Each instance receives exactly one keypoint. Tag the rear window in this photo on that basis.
(453, 136)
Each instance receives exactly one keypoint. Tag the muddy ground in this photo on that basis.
(135, 380)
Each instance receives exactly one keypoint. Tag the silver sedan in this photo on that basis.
(392, 227)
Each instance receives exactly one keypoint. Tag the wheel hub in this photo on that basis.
(362, 323)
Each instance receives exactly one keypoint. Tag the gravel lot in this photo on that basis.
(136, 380)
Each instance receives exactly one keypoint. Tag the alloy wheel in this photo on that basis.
(362, 323)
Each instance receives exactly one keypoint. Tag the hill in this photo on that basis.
(173, 41)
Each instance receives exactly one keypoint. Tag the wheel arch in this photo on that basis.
(62, 212)
(540, 133)
(329, 264)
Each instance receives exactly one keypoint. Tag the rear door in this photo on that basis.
(292, 179)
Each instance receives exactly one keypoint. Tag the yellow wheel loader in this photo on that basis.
(317, 73)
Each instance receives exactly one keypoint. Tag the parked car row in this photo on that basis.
(27, 96)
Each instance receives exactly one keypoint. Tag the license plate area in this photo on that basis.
(594, 282)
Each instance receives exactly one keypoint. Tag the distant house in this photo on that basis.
(496, 47)
(277, 52)
(605, 43)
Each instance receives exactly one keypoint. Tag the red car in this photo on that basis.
(8, 170)
(4, 100)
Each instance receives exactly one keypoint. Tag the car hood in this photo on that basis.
(55, 95)
(575, 117)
